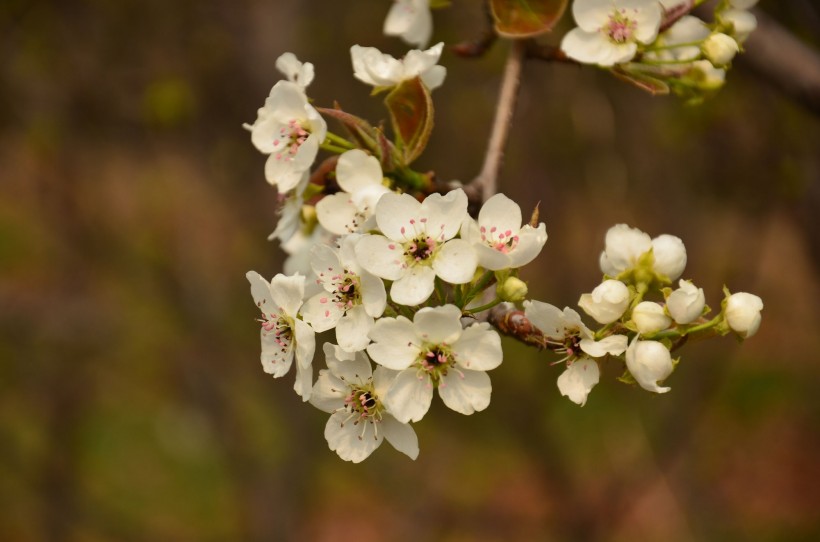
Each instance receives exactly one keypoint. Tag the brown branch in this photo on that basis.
(779, 58)
(484, 185)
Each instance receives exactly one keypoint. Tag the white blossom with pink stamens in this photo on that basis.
(418, 245)
(434, 351)
(290, 130)
(609, 31)
(284, 336)
(498, 237)
(569, 336)
(354, 396)
(351, 298)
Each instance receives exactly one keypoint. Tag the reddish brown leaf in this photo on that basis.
(526, 18)
(411, 113)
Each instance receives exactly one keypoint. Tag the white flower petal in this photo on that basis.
(411, 20)
(614, 344)
(352, 368)
(276, 359)
(374, 296)
(338, 214)
(415, 287)
(624, 245)
(287, 292)
(260, 290)
(548, 318)
(595, 48)
(591, 14)
(530, 242)
(400, 435)
(394, 213)
(305, 343)
(578, 380)
(382, 380)
(352, 441)
(465, 391)
(395, 343)
(501, 213)
(304, 381)
(381, 256)
(439, 325)
(670, 255)
(478, 348)
(434, 77)
(328, 392)
(444, 213)
(321, 312)
(353, 328)
(357, 170)
(456, 262)
(409, 397)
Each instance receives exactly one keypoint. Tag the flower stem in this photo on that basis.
(332, 148)
(482, 308)
(338, 141)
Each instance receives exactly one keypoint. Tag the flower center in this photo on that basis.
(363, 403)
(420, 249)
(346, 290)
(282, 329)
(436, 361)
(620, 28)
(501, 241)
(290, 139)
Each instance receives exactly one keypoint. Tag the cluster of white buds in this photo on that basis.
(637, 329)
(410, 284)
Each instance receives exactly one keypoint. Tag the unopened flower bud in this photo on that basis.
(686, 303)
(670, 255)
(607, 302)
(649, 317)
(743, 313)
(719, 48)
(513, 289)
(706, 76)
(743, 23)
(649, 362)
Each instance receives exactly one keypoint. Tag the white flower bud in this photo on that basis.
(743, 313)
(649, 317)
(719, 48)
(649, 362)
(607, 302)
(670, 255)
(743, 23)
(686, 303)
(707, 76)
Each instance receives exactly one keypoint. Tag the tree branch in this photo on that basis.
(791, 66)
(484, 185)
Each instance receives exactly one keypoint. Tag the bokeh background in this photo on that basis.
(132, 403)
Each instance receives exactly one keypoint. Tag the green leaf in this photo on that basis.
(526, 18)
(411, 113)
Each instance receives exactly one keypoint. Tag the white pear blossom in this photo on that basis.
(360, 178)
(418, 244)
(688, 30)
(609, 31)
(354, 396)
(290, 130)
(375, 68)
(686, 303)
(294, 70)
(498, 237)
(649, 362)
(720, 49)
(625, 246)
(290, 211)
(743, 313)
(410, 20)
(283, 334)
(434, 351)
(743, 23)
(565, 330)
(607, 302)
(298, 249)
(351, 298)
(649, 317)
(578, 380)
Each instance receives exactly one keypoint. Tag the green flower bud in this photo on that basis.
(513, 289)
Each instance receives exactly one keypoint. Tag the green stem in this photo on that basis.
(674, 333)
(489, 305)
(339, 141)
(674, 46)
(479, 286)
(664, 62)
(332, 148)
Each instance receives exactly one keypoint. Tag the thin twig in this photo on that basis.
(484, 185)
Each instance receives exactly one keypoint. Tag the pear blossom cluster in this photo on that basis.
(643, 318)
(655, 43)
(408, 294)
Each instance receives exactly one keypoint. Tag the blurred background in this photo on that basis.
(132, 403)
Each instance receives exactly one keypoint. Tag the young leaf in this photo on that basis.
(411, 113)
(526, 18)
